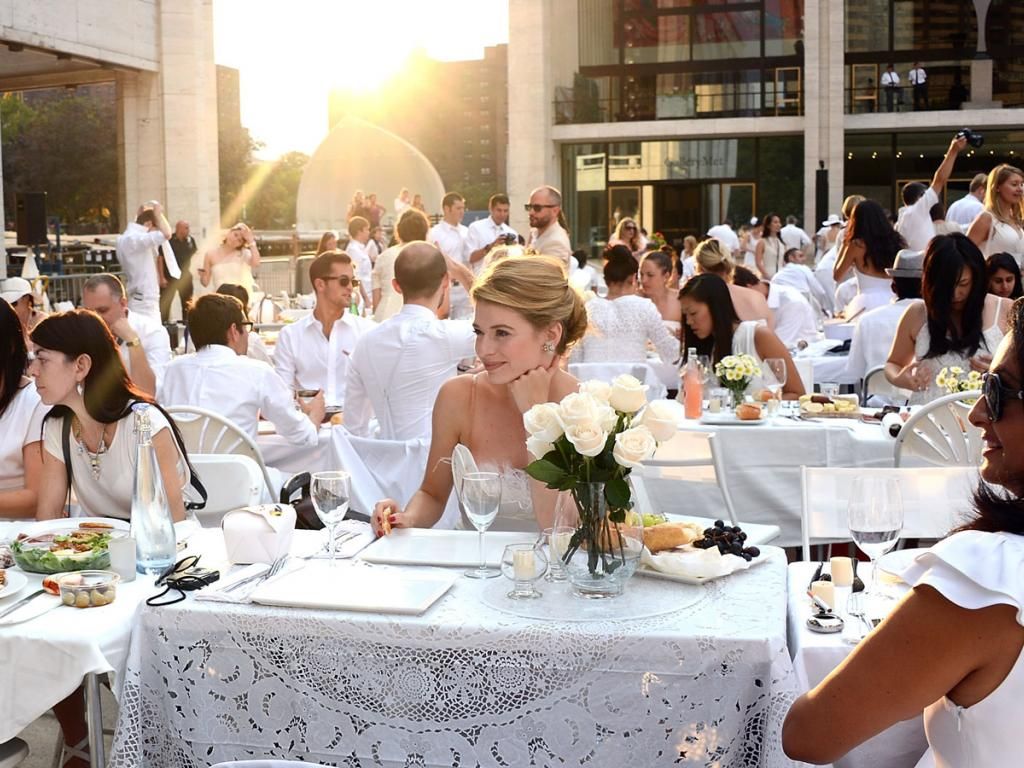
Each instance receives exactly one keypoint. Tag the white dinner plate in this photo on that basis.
(729, 420)
(70, 524)
(425, 546)
(737, 564)
(15, 582)
(894, 563)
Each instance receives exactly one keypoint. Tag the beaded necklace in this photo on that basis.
(93, 458)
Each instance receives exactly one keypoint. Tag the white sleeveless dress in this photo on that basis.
(774, 250)
(975, 569)
(234, 271)
(1004, 238)
(743, 344)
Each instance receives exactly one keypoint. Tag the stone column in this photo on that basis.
(981, 65)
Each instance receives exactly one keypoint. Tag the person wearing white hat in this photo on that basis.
(826, 237)
(17, 291)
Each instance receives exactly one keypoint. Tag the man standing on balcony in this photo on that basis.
(547, 236)
(891, 84)
(919, 80)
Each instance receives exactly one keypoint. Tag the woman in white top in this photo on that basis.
(621, 324)
(770, 248)
(869, 248)
(953, 646)
(655, 277)
(78, 371)
(233, 261)
(527, 316)
(1000, 227)
(958, 323)
(21, 419)
(712, 327)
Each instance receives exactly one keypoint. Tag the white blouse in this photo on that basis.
(619, 330)
(20, 425)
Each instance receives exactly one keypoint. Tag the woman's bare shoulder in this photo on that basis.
(456, 388)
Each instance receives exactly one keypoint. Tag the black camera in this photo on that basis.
(974, 138)
(511, 239)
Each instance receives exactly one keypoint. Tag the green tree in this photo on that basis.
(235, 148)
(272, 205)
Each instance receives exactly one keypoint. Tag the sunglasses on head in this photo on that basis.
(537, 207)
(993, 391)
(343, 280)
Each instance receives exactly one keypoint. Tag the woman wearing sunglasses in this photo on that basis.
(958, 324)
(953, 646)
(627, 233)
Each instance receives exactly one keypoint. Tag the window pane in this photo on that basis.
(867, 23)
(665, 38)
(598, 45)
(736, 34)
(783, 27)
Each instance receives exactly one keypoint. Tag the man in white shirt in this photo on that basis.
(398, 367)
(138, 253)
(359, 236)
(312, 353)
(387, 301)
(796, 274)
(725, 234)
(891, 84)
(963, 211)
(449, 236)
(793, 236)
(221, 378)
(919, 81)
(915, 219)
(491, 232)
(874, 334)
(142, 341)
(547, 237)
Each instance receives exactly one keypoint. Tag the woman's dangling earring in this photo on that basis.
(548, 347)
(80, 388)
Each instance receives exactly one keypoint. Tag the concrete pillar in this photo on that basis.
(3, 245)
(981, 65)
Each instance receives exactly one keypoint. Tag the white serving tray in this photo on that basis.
(738, 566)
(426, 546)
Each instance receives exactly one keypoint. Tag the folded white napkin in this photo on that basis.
(347, 546)
(220, 591)
(694, 563)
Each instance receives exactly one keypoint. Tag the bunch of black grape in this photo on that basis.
(729, 539)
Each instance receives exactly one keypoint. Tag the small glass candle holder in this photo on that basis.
(523, 565)
(557, 542)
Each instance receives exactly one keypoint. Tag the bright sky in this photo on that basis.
(291, 53)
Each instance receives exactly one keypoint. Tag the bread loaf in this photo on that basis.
(748, 412)
(664, 536)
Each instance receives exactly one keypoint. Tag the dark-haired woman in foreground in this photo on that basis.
(952, 647)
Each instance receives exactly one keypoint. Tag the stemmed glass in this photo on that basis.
(875, 517)
(773, 374)
(481, 497)
(331, 493)
(557, 541)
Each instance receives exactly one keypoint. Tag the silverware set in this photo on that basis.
(258, 578)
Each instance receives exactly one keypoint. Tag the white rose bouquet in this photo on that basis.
(735, 372)
(954, 379)
(592, 440)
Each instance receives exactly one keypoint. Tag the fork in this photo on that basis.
(258, 579)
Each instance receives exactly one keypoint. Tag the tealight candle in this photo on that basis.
(523, 564)
(122, 557)
(842, 571)
(824, 591)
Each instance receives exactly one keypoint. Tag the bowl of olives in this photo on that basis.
(88, 589)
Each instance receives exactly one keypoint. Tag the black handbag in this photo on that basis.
(305, 515)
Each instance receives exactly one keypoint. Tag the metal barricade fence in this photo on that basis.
(276, 275)
(66, 287)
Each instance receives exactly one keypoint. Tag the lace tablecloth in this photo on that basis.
(464, 684)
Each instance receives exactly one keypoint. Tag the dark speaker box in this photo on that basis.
(31, 218)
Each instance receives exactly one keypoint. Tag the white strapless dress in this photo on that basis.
(234, 272)
(515, 513)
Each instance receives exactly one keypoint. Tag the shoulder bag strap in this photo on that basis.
(65, 441)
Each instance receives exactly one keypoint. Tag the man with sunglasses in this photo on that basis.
(312, 353)
(221, 378)
(547, 236)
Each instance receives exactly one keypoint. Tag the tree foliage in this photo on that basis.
(235, 147)
(272, 205)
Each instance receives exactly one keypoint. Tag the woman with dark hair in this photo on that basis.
(21, 418)
(1004, 276)
(79, 372)
(655, 277)
(958, 324)
(953, 646)
(770, 247)
(328, 242)
(713, 257)
(713, 328)
(868, 248)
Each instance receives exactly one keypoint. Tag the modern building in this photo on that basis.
(454, 112)
(159, 56)
(684, 114)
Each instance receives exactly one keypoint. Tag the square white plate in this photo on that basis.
(456, 549)
(730, 420)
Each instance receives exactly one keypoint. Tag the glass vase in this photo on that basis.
(603, 554)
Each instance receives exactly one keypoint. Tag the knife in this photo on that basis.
(12, 608)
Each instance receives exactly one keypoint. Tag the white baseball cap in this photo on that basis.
(13, 288)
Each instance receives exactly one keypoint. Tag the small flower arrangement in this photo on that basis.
(954, 379)
(659, 240)
(735, 372)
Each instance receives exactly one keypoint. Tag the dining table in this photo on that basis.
(666, 674)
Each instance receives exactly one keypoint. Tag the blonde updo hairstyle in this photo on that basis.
(537, 288)
(714, 258)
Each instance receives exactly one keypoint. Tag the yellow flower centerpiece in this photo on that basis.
(735, 372)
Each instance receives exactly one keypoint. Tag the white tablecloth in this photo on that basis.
(816, 655)
(763, 466)
(291, 459)
(466, 684)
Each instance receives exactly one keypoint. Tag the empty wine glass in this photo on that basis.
(331, 493)
(875, 517)
(481, 497)
(773, 374)
(557, 541)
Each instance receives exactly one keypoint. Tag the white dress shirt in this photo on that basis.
(482, 233)
(890, 79)
(20, 425)
(155, 343)
(390, 303)
(918, 76)
(397, 369)
(306, 359)
(618, 331)
(915, 221)
(725, 234)
(963, 211)
(553, 241)
(136, 253)
(794, 237)
(801, 277)
(361, 263)
(873, 337)
(795, 318)
(237, 388)
(451, 241)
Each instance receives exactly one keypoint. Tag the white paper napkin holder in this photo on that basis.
(259, 534)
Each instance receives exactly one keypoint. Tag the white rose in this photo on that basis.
(578, 408)
(588, 438)
(542, 422)
(537, 447)
(599, 390)
(661, 418)
(607, 417)
(628, 395)
(633, 446)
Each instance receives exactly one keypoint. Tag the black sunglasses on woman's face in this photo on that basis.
(993, 391)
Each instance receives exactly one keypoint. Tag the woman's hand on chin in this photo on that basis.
(534, 386)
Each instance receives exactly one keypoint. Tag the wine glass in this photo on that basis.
(557, 541)
(875, 517)
(773, 374)
(481, 496)
(331, 493)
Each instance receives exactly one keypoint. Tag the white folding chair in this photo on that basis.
(935, 500)
(232, 481)
(805, 367)
(207, 432)
(875, 383)
(941, 434)
(608, 371)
